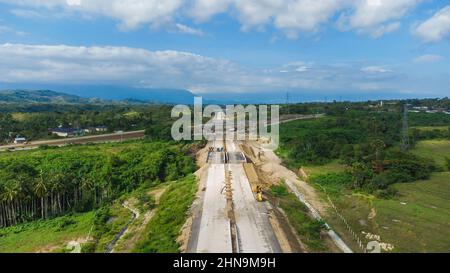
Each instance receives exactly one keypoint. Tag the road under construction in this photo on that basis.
(230, 215)
(231, 219)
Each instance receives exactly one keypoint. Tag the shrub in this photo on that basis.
(279, 190)
(387, 193)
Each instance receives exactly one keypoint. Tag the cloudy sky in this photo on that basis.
(333, 47)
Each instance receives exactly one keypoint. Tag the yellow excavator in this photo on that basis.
(259, 195)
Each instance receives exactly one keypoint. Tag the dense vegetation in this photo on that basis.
(50, 182)
(367, 141)
(164, 228)
(353, 157)
(107, 223)
(39, 96)
(307, 228)
(34, 122)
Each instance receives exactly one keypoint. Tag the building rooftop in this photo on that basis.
(65, 130)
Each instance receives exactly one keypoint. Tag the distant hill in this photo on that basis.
(88, 95)
(132, 94)
(39, 96)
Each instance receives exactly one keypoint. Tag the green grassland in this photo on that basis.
(131, 167)
(46, 235)
(117, 220)
(431, 128)
(53, 235)
(308, 229)
(417, 220)
(161, 233)
(436, 150)
(332, 167)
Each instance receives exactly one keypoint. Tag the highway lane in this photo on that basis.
(77, 140)
(255, 233)
(213, 231)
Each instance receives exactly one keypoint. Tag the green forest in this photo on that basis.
(35, 121)
(49, 182)
(368, 142)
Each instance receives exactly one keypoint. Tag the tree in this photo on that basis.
(40, 189)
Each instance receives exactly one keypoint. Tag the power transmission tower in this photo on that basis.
(405, 129)
(287, 103)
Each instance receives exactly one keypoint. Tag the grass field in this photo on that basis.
(418, 220)
(433, 149)
(431, 128)
(307, 228)
(53, 235)
(161, 233)
(331, 167)
(120, 217)
(46, 236)
(20, 116)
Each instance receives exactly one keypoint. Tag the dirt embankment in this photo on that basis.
(270, 171)
(134, 233)
(195, 210)
(270, 165)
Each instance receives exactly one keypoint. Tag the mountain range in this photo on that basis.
(96, 96)
(131, 95)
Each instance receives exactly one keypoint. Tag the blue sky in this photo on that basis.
(351, 48)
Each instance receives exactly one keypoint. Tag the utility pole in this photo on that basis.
(405, 129)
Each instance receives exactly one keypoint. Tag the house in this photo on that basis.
(66, 132)
(420, 108)
(20, 140)
(101, 128)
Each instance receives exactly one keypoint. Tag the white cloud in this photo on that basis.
(385, 29)
(26, 13)
(369, 13)
(428, 58)
(130, 13)
(435, 28)
(203, 10)
(376, 17)
(8, 29)
(305, 15)
(188, 30)
(62, 64)
(376, 69)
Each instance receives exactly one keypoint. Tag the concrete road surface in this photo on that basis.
(255, 233)
(212, 228)
(214, 235)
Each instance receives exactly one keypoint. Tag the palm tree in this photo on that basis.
(40, 189)
(10, 193)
